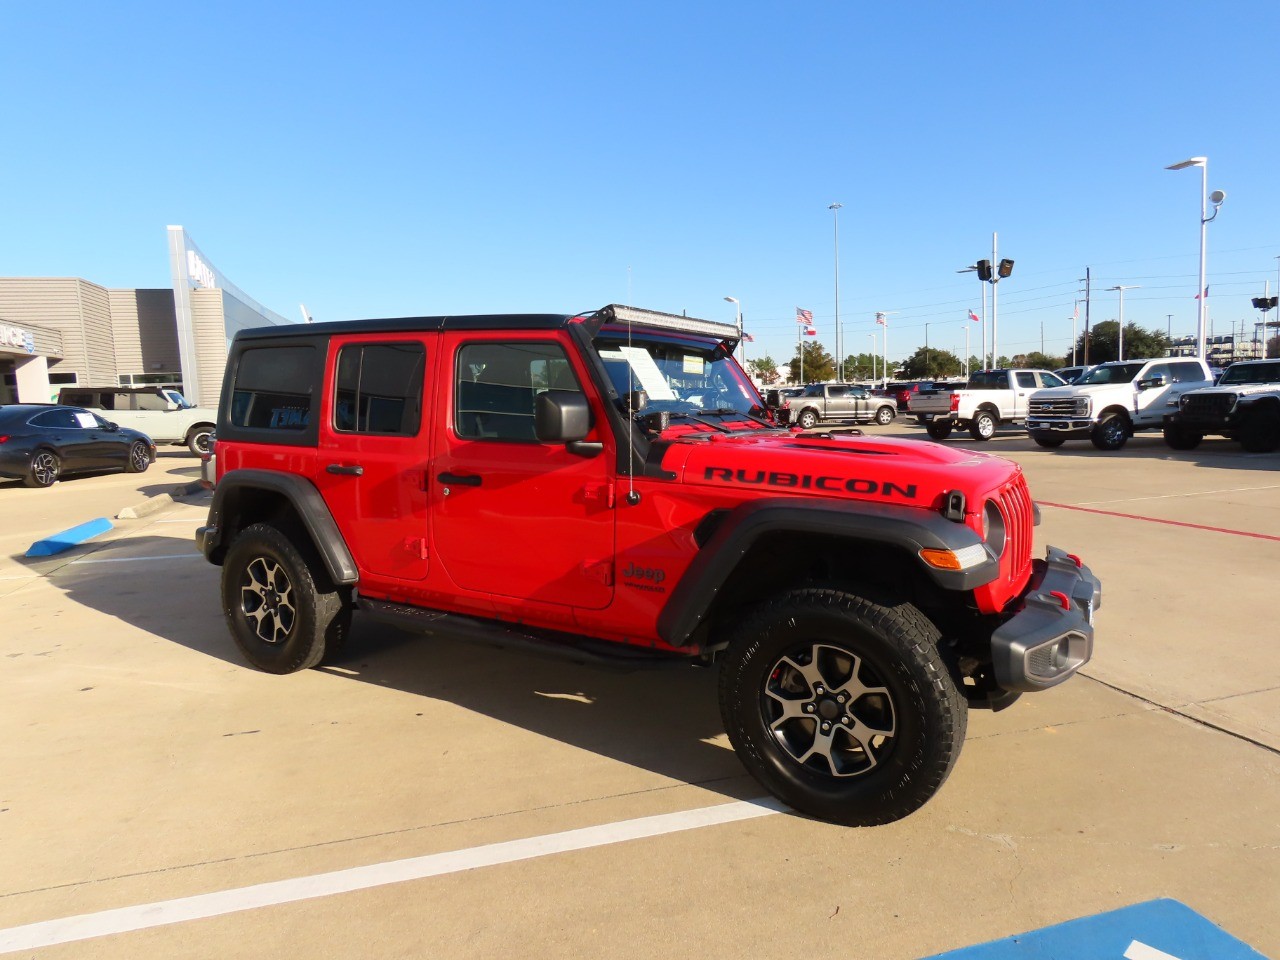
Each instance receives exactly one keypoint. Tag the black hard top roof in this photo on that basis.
(613, 314)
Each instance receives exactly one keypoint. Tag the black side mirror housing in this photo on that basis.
(1151, 382)
(561, 416)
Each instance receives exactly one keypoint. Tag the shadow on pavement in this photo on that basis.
(655, 718)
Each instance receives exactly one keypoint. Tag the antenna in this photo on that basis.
(306, 317)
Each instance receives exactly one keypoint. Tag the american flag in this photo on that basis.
(810, 331)
(748, 337)
(1206, 294)
(973, 316)
(880, 319)
(804, 316)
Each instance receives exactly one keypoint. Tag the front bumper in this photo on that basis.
(1073, 428)
(1051, 637)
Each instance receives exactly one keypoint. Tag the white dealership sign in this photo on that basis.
(17, 337)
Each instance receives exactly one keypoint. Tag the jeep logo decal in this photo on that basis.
(805, 481)
(644, 578)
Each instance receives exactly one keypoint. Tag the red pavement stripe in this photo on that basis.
(1172, 523)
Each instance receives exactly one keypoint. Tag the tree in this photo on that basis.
(818, 364)
(764, 369)
(1036, 360)
(1139, 343)
(862, 366)
(930, 364)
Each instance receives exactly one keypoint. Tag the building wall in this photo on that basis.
(77, 310)
(210, 329)
(145, 332)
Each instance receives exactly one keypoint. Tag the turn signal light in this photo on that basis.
(4, 438)
(962, 559)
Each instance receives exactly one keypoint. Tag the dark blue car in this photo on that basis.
(39, 443)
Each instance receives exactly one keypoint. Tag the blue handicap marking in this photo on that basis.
(1156, 930)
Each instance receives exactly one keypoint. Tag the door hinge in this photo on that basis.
(417, 546)
(599, 570)
(601, 493)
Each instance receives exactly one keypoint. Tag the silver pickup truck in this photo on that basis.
(990, 398)
(839, 401)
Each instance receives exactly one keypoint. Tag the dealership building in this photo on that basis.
(67, 331)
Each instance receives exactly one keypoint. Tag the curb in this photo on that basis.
(61, 542)
(159, 501)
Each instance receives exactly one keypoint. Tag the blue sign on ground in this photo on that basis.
(1157, 930)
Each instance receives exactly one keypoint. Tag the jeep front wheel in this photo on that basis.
(1179, 437)
(841, 705)
(280, 607)
(1260, 432)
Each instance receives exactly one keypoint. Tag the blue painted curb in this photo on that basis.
(68, 538)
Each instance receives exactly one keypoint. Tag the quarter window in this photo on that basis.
(273, 388)
(379, 389)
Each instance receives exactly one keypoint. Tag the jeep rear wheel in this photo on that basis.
(280, 607)
(841, 706)
(1111, 432)
(939, 429)
(983, 426)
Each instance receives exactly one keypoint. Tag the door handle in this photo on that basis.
(460, 479)
(353, 470)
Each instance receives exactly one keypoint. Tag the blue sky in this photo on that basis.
(399, 159)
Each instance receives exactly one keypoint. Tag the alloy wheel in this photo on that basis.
(266, 600)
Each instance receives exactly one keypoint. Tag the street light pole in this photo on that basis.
(1120, 341)
(1218, 197)
(741, 342)
(872, 335)
(835, 218)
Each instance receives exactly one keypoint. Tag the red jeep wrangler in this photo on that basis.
(608, 481)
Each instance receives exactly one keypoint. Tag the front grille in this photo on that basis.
(1060, 407)
(1015, 504)
(1208, 406)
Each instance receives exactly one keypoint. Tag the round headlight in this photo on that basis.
(993, 529)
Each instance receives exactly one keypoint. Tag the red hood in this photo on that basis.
(847, 466)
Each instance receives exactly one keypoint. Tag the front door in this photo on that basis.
(513, 516)
(374, 431)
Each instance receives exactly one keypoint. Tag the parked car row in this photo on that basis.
(41, 442)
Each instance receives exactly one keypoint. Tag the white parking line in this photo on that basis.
(167, 556)
(199, 519)
(1175, 496)
(33, 936)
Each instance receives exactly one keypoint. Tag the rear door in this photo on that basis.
(512, 516)
(373, 449)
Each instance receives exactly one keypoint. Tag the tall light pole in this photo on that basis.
(835, 218)
(872, 335)
(990, 271)
(982, 360)
(926, 348)
(882, 318)
(1217, 197)
(741, 342)
(1120, 341)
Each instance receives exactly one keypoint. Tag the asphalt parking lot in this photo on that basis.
(426, 797)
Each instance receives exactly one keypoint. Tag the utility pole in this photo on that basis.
(1087, 285)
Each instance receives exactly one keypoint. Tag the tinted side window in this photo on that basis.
(1051, 380)
(57, 419)
(379, 388)
(1026, 379)
(1158, 370)
(834, 392)
(273, 388)
(498, 384)
(1187, 372)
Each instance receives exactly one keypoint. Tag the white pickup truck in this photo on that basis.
(990, 398)
(1113, 400)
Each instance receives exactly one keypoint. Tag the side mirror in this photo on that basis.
(113, 427)
(170, 405)
(561, 416)
(1151, 382)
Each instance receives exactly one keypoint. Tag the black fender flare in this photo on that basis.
(910, 528)
(307, 502)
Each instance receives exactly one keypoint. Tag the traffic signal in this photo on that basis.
(984, 269)
(1005, 268)
(1265, 303)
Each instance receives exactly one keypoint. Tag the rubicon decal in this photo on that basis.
(805, 481)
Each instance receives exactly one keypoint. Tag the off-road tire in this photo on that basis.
(1111, 432)
(1050, 441)
(1180, 437)
(939, 429)
(898, 684)
(884, 416)
(983, 426)
(1260, 431)
(138, 459)
(44, 470)
(807, 420)
(200, 439)
(308, 617)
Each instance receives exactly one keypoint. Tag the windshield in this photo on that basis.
(175, 397)
(676, 377)
(1252, 373)
(1112, 373)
